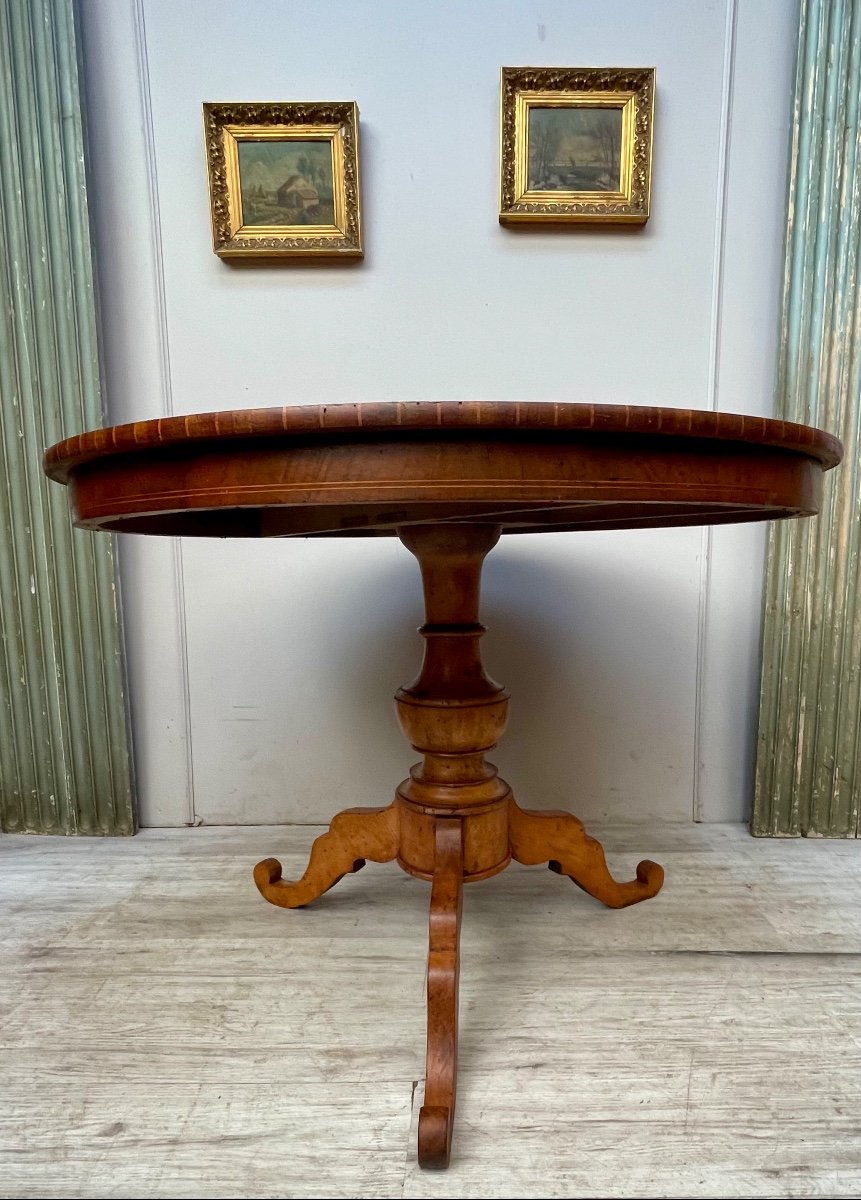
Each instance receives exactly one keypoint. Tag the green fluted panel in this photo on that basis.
(65, 765)
(808, 776)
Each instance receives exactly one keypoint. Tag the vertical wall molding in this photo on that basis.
(65, 764)
(718, 265)
(808, 774)
(166, 383)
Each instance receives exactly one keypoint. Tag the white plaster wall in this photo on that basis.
(261, 672)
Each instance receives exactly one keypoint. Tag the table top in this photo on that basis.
(369, 469)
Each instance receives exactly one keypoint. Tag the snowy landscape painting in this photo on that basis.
(574, 148)
(286, 182)
(576, 145)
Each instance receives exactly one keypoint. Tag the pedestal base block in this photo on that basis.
(485, 840)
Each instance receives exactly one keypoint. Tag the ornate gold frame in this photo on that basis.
(225, 125)
(632, 89)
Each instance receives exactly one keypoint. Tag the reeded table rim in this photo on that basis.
(385, 419)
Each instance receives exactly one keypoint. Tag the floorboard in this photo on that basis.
(165, 1033)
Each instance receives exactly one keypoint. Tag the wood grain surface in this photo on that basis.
(436, 1117)
(355, 835)
(368, 469)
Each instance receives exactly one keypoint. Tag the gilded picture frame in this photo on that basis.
(576, 144)
(284, 179)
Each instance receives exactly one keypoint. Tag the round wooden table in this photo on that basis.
(447, 479)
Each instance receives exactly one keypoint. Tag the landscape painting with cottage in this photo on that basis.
(286, 182)
(574, 148)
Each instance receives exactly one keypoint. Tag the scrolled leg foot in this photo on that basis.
(355, 835)
(436, 1125)
(436, 1118)
(560, 840)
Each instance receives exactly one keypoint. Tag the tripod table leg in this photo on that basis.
(355, 835)
(436, 1118)
(560, 840)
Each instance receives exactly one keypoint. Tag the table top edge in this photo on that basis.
(421, 418)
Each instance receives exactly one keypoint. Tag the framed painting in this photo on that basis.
(284, 179)
(576, 144)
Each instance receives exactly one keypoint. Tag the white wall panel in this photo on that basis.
(607, 641)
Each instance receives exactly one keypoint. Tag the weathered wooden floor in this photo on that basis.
(164, 1032)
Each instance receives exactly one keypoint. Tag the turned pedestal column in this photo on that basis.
(453, 820)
